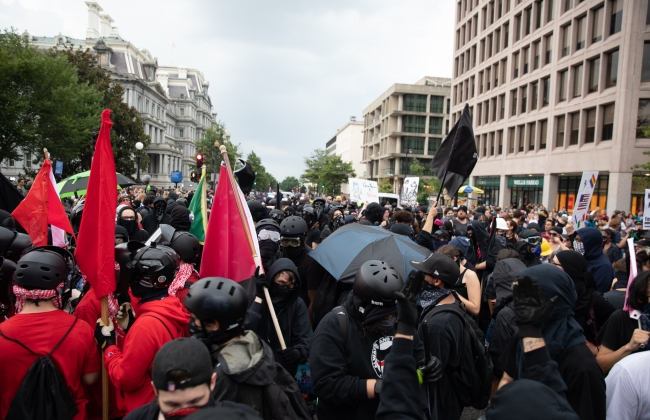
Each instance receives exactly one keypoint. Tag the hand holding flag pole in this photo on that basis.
(251, 244)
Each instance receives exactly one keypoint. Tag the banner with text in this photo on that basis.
(585, 191)
(646, 211)
(363, 190)
(409, 193)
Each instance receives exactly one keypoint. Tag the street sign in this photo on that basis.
(58, 167)
(177, 176)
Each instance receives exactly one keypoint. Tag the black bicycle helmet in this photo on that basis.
(376, 283)
(155, 264)
(293, 226)
(219, 299)
(268, 224)
(441, 235)
(186, 245)
(13, 244)
(257, 209)
(43, 268)
(276, 214)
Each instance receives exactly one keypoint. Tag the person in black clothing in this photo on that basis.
(372, 215)
(335, 221)
(291, 313)
(312, 238)
(127, 218)
(566, 345)
(529, 247)
(268, 237)
(591, 309)
(151, 222)
(351, 343)
(445, 329)
(623, 335)
(180, 218)
(616, 296)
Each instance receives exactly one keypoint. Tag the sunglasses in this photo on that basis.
(292, 242)
(554, 234)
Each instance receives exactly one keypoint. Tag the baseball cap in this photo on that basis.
(439, 266)
(462, 208)
(185, 354)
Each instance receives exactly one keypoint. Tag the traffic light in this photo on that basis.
(194, 177)
(199, 161)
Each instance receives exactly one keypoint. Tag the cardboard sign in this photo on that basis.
(363, 190)
(409, 193)
(583, 199)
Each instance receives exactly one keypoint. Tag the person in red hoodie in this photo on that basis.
(40, 324)
(160, 318)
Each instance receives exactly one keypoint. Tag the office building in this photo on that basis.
(348, 144)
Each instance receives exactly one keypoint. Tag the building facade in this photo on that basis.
(406, 122)
(555, 88)
(348, 144)
(172, 100)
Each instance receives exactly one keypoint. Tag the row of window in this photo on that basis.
(417, 124)
(416, 145)
(418, 103)
(571, 81)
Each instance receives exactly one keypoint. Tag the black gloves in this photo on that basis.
(288, 356)
(531, 312)
(413, 285)
(261, 281)
(431, 372)
(104, 335)
(407, 315)
(378, 386)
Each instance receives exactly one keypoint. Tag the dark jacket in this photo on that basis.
(341, 365)
(292, 316)
(597, 262)
(150, 222)
(400, 392)
(152, 410)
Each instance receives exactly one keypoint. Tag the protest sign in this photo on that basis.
(585, 191)
(363, 190)
(409, 193)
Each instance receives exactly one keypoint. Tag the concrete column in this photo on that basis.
(400, 102)
(504, 192)
(618, 191)
(161, 163)
(550, 190)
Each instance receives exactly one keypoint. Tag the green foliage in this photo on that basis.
(43, 104)
(425, 188)
(289, 183)
(206, 147)
(263, 180)
(385, 186)
(326, 170)
(128, 125)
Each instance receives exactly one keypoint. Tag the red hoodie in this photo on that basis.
(156, 323)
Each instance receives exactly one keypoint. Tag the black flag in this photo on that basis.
(10, 197)
(246, 177)
(457, 156)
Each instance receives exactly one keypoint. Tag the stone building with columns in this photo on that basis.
(172, 100)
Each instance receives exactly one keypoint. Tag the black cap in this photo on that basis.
(463, 208)
(439, 266)
(375, 207)
(183, 354)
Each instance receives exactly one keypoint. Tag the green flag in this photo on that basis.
(198, 208)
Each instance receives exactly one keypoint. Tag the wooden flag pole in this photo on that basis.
(251, 244)
(104, 372)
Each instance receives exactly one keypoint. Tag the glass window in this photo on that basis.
(568, 4)
(616, 20)
(491, 136)
(531, 137)
(566, 40)
(577, 81)
(521, 131)
(434, 145)
(517, 27)
(548, 40)
(543, 128)
(524, 99)
(546, 91)
(594, 74)
(580, 29)
(435, 125)
(415, 103)
(597, 28)
(513, 99)
(590, 134)
(645, 69)
(643, 119)
(534, 87)
(448, 105)
(446, 127)
(612, 69)
(500, 142)
(528, 17)
(511, 140)
(550, 10)
(515, 59)
(415, 144)
(181, 133)
(562, 85)
(525, 52)
(437, 104)
(506, 29)
(539, 5)
(559, 136)
(575, 129)
(608, 122)
(413, 124)
(536, 54)
(182, 111)
(27, 158)
(502, 112)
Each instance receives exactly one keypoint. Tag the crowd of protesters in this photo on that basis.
(514, 311)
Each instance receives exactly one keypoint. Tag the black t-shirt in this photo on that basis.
(616, 298)
(313, 236)
(618, 330)
(460, 229)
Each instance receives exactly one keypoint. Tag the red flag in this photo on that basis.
(226, 252)
(41, 206)
(96, 243)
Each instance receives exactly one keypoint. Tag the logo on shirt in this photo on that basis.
(380, 349)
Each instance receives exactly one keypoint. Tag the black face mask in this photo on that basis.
(268, 249)
(159, 210)
(210, 338)
(338, 222)
(418, 217)
(293, 253)
(129, 225)
(139, 290)
(280, 296)
(383, 326)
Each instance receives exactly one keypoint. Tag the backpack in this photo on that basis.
(329, 294)
(284, 386)
(472, 380)
(43, 393)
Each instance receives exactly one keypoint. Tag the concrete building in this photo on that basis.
(406, 122)
(556, 87)
(172, 100)
(348, 144)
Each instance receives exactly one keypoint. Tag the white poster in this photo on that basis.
(585, 191)
(646, 211)
(409, 192)
(363, 190)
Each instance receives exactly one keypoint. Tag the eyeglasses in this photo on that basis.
(292, 242)
(268, 234)
(127, 218)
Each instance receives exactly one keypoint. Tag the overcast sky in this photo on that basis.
(284, 74)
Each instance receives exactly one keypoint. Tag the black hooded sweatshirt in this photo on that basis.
(308, 268)
(136, 234)
(341, 365)
(151, 222)
(292, 316)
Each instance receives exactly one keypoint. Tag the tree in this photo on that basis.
(417, 168)
(263, 180)
(314, 166)
(328, 170)
(289, 183)
(43, 104)
(205, 146)
(385, 186)
(643, 181)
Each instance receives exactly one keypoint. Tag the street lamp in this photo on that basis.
(139, 146)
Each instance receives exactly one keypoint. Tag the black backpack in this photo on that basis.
(330, 293)
(43, 394)
(472, 380)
